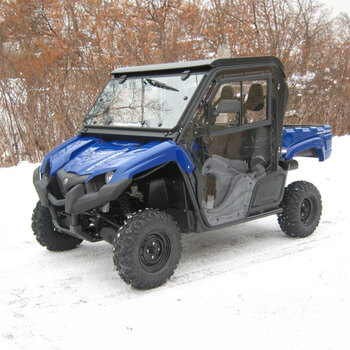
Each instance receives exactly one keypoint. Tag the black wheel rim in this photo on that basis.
(308, 210)
(154, 251)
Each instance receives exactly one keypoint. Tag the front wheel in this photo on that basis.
(147, 249)
(302, 208)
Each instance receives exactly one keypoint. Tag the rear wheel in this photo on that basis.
(302, 208)
(147, 249)
(45, 233)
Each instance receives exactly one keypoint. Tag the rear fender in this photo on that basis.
(315, 143)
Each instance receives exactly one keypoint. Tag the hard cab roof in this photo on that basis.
(202, 65)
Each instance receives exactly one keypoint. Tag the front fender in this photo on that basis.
(144, 158)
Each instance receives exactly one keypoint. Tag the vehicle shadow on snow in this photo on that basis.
(227, 245)
(204, 251)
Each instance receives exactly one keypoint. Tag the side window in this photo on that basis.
(239, 103)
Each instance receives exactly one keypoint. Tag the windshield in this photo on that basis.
(151, 102)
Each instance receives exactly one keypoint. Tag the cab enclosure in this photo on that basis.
(201, 140)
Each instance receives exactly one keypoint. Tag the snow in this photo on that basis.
(299, 81)
(248, 286)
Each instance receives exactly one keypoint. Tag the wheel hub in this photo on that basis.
(307, 211)
(154, 251)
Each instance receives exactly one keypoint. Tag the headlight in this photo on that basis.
(108, 176)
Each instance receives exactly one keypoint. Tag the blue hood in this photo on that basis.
(93, 156)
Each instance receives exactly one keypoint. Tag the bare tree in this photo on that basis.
(56, 54)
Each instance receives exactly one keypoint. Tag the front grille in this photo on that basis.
(54, 188)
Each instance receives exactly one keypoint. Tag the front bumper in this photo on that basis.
(77, 200)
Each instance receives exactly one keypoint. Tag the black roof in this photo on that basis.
(200, 65)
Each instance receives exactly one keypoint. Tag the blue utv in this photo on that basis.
(178, 147)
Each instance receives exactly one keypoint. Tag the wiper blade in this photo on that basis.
(160, 85)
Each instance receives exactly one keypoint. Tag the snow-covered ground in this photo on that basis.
(245, 287)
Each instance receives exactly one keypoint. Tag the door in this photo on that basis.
(238, 147)
(231, 144)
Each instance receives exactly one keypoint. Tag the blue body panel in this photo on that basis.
(56, 150)
(93, 156)
(297, 139)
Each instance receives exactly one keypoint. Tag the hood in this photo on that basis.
(93, 156)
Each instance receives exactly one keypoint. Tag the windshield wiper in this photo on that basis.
(160, 85)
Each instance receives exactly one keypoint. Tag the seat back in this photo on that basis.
(255, 100)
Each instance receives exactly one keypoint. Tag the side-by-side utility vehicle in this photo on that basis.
(178, 147)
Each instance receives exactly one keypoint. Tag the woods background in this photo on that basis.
(56, 55)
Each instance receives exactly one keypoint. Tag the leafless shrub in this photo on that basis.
(56, 54)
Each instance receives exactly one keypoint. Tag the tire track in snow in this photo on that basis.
(244, 261)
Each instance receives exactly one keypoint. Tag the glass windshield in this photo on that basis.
(154, 102)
